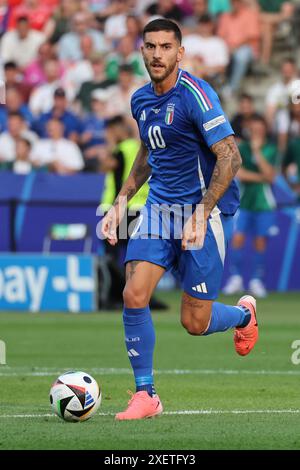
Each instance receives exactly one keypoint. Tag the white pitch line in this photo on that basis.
(44, 372)
(171, 413)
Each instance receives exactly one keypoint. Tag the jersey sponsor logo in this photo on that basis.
(170, 114)
(214, 123)
(143, 116)
(201, 288)
(155, 110)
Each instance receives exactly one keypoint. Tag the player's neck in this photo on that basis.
(167, 84)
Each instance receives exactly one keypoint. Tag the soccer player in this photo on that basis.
(257, 208)
(189, 155)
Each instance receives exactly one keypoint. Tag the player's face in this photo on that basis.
(162, 54)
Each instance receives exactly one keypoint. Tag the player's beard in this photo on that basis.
(167, 71)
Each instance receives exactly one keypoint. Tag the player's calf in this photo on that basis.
(195, 314)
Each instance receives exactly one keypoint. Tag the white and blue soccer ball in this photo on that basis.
(75, 396)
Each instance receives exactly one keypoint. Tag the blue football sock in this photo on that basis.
(236, 260)
(224, 317)
(259, 265)
(140, 341)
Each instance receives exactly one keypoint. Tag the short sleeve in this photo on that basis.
(206, 112)
(133, 107)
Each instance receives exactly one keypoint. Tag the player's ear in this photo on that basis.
(180, 53)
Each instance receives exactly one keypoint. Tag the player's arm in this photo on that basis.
(227, 164)
(138, 175)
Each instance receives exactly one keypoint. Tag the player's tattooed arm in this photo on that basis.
(228, 163)
(138, 175)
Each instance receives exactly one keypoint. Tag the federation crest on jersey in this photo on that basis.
(170, 114)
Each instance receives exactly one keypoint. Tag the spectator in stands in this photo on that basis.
(199, 8)
(16, 127)
(256, 215)
(241, 121)
(80, 71)
(14, 103)
(60, 22)
(210, 51)
(34, 73)
(167, 9)
(22, 163)
(216, 7)
(125, 54)
(69, 44)
(37, 13)
(72, 123)
(134, 30)
(118, 100)
(115, 25)
(93, 138)
(278, 100)
(5, 12)
(57, 153)
(99, 80)
(274, 15)
(21, 44)
(41, 98)
(291, 161)
(240, 29)
(294, 128)
(13, 77)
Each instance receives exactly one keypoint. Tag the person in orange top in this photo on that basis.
(240, 29)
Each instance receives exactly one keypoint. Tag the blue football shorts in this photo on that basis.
(255, 223)
(199, 271)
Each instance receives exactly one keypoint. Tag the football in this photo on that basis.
(75, 396)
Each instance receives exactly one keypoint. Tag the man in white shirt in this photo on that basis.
(210, 51)
(278, 100)
(69, 43)
(16, 128)
(115, 25)
(41, 98)
(61, 155)
(21, 44)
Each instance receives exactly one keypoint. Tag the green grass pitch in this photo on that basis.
(213, 399)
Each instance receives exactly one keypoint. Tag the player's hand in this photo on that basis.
(194, 231)
(110, 223)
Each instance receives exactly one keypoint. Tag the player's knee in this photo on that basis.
(135, 297)
(195, 327)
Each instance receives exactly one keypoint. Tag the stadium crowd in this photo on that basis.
(70, 67)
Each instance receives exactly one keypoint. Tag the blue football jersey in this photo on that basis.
(178, 128)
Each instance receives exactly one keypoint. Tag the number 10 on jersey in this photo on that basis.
(156, 138)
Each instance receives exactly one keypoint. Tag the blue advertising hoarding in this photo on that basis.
(39, 283)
